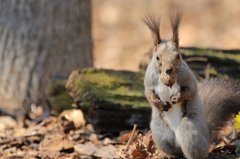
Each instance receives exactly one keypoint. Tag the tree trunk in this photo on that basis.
(40, 38)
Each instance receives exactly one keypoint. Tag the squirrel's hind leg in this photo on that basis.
(193, 138)
(163, 136)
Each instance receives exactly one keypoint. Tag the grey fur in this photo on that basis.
(221, 99)
(192, 132)
(206, 109)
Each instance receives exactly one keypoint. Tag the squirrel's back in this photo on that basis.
(221, 100)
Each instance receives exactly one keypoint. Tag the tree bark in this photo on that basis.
(40, 38)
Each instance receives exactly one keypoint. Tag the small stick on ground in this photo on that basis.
(129, 141)
(190, 59)
(207, 72)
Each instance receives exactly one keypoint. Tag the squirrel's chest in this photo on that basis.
(174, 115)
(165, 92)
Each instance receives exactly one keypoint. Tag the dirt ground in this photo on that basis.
(68, 136)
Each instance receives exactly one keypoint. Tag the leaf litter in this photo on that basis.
(68, 136)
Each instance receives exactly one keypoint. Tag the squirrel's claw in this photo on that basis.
(158, 103)
(181, 96)
(166, 106)
(176, 98)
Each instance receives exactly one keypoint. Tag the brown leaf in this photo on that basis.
(37, 112)
(148, 142)
(47, 157)
(107, 141)
(139, 154)
(143, 146)
(127, 136)
(93, 138)
(91, 149)
(85, 149)
(49, 154)
(74, 115)
(106, 151)
(56, 144)
(7, 122)
(11, 149)
(90, 127)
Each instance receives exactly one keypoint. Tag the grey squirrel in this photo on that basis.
(186, 115)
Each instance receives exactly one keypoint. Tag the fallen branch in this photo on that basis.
(129, 141)
(207, 71)
(190, 59)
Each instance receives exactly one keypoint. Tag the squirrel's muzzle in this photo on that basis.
(169, 71)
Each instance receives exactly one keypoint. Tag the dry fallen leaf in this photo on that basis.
(56, 143)
(75, 115)
(139, 154)
(93, 138)
(142, 148)
(91, 149)
(7, 122)
(90, 127)
(127, 136)
(38, 111)
(108, 141)
(85, 149)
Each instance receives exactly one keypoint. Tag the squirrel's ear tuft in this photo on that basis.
(153, 24)
(175, 22)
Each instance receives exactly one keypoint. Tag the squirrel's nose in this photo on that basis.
(169, 71)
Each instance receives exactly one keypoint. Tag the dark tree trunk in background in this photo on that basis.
(40, 38)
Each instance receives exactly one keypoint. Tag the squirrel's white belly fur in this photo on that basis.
(174, 115)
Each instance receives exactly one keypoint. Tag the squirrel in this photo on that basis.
(186, 115)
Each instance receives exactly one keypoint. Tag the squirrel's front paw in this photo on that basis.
(156, 101)
(176, 98)
(160, 105)
(166, 106)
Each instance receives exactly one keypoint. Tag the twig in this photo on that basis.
(41, 124)
(207, 72)
(6, 141)
(190, 59)
(129, 141)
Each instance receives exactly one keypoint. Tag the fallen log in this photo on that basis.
(112, 101)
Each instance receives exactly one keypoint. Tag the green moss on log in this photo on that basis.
(56, 88)
(59, 96)
(211, 53)
(224, 63)
(116, 87)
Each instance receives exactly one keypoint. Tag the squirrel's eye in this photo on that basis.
(157, 57)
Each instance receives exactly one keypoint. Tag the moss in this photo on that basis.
(125, 87)
(224, 64)
(62, 102)
(213, 71)
(211, 53)
(56, 88)
(117, 87)
(59, 96)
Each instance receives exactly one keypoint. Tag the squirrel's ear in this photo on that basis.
(175, 22)
(153, 24)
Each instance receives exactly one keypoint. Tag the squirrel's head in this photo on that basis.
(166, 55)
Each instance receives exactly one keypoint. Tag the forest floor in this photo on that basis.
(68, 136)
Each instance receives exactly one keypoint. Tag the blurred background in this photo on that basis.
(121, 38)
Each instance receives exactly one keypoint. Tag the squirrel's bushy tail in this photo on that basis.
(221, 100)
